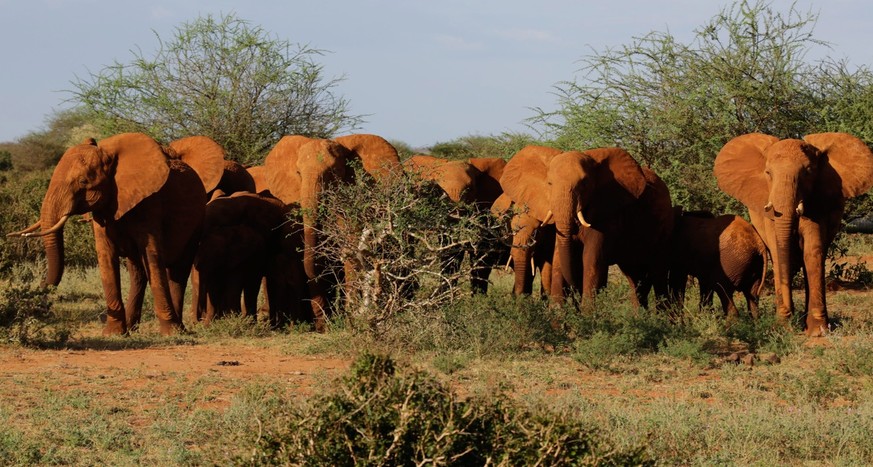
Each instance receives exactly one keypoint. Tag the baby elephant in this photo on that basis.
(725, 254)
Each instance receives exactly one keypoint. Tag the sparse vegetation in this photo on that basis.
(438, 375)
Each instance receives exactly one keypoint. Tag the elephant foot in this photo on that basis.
(816, 327)
(320, 324)
(114, 327)
(169, 328)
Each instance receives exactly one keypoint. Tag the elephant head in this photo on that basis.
(108, 179)
(572, 189)
(786, 183)
(456, 178)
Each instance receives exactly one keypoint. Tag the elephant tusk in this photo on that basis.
(799, 209)
(547, 218)
(55, 228)
(582, 219)
(768, 207)
(28, 230)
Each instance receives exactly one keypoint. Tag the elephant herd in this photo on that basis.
(184, 210)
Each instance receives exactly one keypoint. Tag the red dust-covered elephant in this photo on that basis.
(796, 191)
(147, 205)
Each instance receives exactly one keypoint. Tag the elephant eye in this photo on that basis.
(83, 181)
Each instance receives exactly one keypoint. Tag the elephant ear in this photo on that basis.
(620, 178)
(488, 182)
(140, 171)
(259, 176)
(280, 168)
(739, 169)
(377, 155)
(849, 157)
(204, 155)
(524, 179)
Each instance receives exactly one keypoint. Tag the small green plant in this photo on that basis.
(382, 416)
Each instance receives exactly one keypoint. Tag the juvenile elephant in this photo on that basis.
(298, 169)
(606, 210)
(147, 206)
(725, 254)
(476, 184)
(796, 191)
(248, 238)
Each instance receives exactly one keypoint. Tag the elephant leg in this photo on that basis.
(728, 306)
(636, 299)
(110, 278)
(177, 279)
(169, 319)
(594, 265)
(752, 302)
(136, 293)
(813, 265)
(251, 287)
(198, 296)
(705, 294)
(264, 308)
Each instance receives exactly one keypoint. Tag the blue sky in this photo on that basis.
(423, 71)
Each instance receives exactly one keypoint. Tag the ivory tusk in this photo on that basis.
(55, 228)
(547, 218)
(582, 219)
(799, 209)
(21, 233)
(768, 207)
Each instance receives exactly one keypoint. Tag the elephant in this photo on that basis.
(298, 169)
(147, 205)
(795, 191)
(475, 183)
(249, 239)
(606, 209)
(724, 253)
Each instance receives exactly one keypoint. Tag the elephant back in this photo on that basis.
(378, 157)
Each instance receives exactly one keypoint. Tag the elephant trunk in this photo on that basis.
(785, 221)
(565, 226)
(51, 218)
(309, 204)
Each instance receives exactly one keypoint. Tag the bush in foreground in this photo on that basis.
(381, 417)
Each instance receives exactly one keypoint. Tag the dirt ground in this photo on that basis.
(223, 369)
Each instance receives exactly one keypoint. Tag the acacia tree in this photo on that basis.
(674, 105)
(220, 77)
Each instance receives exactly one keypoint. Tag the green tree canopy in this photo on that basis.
(223, 78)
(674, 105)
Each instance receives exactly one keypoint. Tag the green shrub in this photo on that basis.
(21, 197)
(379, 416)
(25, 311)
